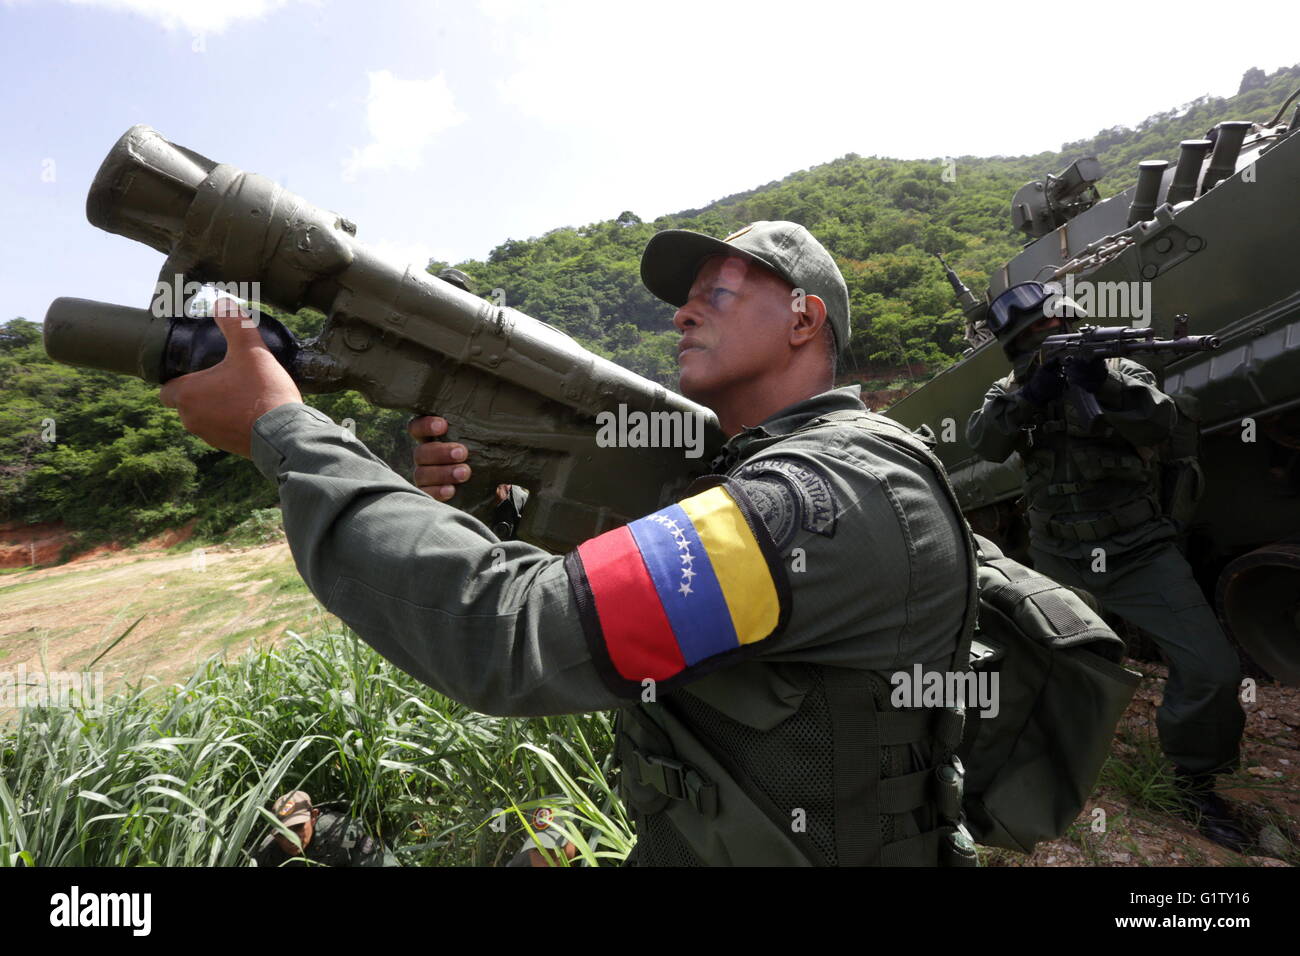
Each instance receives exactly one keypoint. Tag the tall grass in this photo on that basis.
(184, 775)
(1138, 771)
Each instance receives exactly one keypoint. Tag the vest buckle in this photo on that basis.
(677, 781)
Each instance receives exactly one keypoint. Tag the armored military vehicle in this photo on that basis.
(1213, 235)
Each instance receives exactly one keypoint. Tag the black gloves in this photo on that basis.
(1045, 384)
(1050, 380)
(1088, 375)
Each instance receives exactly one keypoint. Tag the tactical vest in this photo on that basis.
(777, 763)
(1086, 485)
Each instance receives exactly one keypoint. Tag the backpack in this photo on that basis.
(1061, 690)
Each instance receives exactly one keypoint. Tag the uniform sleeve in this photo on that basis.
(762, 563)
(505, 627)
(874, 553)
(681, 592)
(490, 623)
(994, 430)
(1134, 406)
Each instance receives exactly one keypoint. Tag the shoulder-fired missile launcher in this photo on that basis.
(1214, 235)
(524, 397)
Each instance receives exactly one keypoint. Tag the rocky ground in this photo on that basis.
(1138, 829)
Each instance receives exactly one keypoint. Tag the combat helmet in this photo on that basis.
(1023, 304)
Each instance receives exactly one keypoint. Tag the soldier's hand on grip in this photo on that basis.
(1045, 384)
(1088, 375)
(439, 465)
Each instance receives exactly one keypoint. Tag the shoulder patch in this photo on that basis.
(679, 592)
(790, 494)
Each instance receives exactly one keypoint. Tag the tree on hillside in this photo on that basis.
(18, 333)
(1252, 79)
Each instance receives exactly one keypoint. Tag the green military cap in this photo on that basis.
(673, 257)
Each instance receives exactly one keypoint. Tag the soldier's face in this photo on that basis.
(1033, 336)
(735, 327)
(304, 831)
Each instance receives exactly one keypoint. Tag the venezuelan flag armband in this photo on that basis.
(680, 592)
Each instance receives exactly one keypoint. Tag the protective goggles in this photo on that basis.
(1022, 297)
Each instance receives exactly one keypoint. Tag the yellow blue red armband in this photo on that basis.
(681, 591)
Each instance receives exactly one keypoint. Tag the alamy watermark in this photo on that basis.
(80, 689)
(637, 429)
(917, 688)
(198, 299)
(75, 908)
(1130, 301)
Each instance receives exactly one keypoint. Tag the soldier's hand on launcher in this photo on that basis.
(440, 465)
(222, 403)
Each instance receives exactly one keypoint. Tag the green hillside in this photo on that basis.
(121, 466)
(882, 218)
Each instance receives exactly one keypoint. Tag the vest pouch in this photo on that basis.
(1099, 463)
(1185, 437)
(1182, 484)
(1060, 691)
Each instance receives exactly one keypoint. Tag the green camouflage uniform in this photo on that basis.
(736, 746)
(1100, 490)
(337, 840)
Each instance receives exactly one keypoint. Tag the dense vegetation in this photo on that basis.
(185, 777)
(121, 465)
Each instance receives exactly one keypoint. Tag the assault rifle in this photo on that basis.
(1094, 342)
(523, 396)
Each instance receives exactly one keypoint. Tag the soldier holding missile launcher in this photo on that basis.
(744, 625)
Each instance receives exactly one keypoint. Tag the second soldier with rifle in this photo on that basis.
(1097, 521)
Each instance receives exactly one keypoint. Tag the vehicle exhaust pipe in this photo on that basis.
(1227, 147)
(1150, 174)
(1191, 157)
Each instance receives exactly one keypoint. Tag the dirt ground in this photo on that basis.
(219, 601)
(190, 605)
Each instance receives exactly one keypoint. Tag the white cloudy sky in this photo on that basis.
(443, 129)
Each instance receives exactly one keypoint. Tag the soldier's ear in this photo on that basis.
(810, 313)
